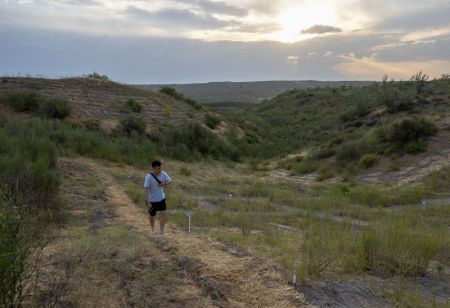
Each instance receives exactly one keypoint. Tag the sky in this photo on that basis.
(184, 41)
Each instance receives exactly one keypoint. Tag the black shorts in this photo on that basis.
(157, 207)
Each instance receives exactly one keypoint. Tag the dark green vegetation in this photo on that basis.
(130, 105)
(173, 93)
(29, 185)
(32, 101)
(345, 124)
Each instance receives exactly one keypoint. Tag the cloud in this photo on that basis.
(320, 29)
(292, 59)
(176, 18)
(217, 7)
(372, 69)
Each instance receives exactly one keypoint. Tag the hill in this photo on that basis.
(332, 129)
(247, 92)
(105, 101)
(105, 110)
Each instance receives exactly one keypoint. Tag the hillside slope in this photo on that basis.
(91, 98)
(401, 129)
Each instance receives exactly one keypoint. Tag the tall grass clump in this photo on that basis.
(130, 105)
(55, 108)
(133, 125)
(14, 251)
(322, 248)
(24, 101)
(27, 163)
(396, 246)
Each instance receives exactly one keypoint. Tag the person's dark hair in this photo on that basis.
(156, 163)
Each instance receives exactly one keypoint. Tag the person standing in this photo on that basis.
(154, 195)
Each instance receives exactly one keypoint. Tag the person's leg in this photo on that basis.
(162, 220)
(152, 221)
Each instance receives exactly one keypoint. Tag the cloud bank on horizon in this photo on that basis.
(173, 41)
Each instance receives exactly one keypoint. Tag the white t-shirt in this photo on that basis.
(156, 193)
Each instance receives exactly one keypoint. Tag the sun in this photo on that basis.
(307, 14)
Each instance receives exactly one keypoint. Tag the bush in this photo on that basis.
(368, 160)
(397, 247)
(171, 92)
(420, 79)
(98, 76)
(24, 101)
(132, 106)
(307, 165)
(55, 108)
(133, 125)
(397, 100)
(193, 103)
(211, 121)
(352, 150)
(407, 131)
(190, 141)
(324, 173)
(168, 111)
(361, 107)
(14, 252)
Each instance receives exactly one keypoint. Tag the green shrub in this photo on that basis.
(323, 152)
(397, 100)
(168, 111)
(368, 160)
(420, 79)
(24, 101)
(320, 249)
(171, 92)
(193, 103)
(362, 104)
(190, 140)
(406, 131)
(14, 252)
(398, 246)
(307, 165)
(55, 108)
(98, 76)
(131, 105)
(415, 147)
(133, 125)
(324, 173)
(211, 121)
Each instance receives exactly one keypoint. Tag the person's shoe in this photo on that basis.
(152, 231)
(161, 232)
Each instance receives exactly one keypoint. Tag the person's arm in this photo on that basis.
(167, 179)
(146, 189)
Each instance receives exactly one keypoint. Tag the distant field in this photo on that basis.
(247, 92)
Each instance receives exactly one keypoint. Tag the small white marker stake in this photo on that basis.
(189, 215)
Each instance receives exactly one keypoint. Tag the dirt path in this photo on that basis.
(227, 278)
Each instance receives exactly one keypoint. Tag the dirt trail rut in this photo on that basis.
(227, 278)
